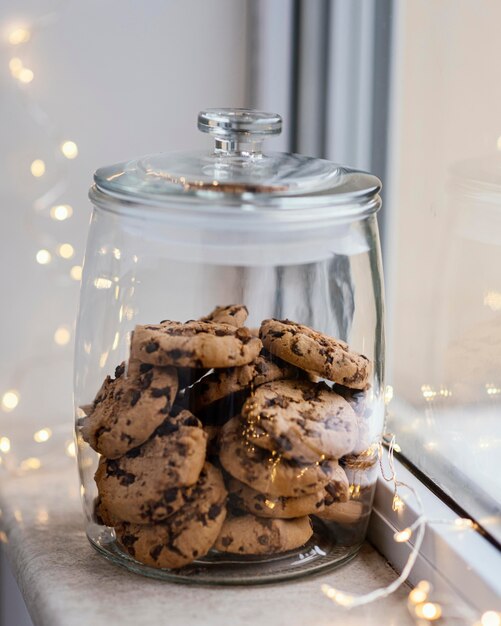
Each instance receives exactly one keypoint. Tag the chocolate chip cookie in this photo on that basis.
(248, 534)
(186, 535)
(127, 410)
(310, 350)
(304, 421)
(222, 382)
(267, 471)
(151, 482)
(194, 344)
(232, 314)
(244, 498)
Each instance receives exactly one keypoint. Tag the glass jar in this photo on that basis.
(230, 360)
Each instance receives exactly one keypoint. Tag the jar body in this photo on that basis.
(140, 270)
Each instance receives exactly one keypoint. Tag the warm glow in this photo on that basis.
(388, 394)
(4, 444)
(69, 149)
(66, 250)
(15, 66)
(116, 253)
(43, 435)
(10, 400)
(338, 597)
(492, 390)
(25, 76)
(62, 336)
(61, 212)
(19, 35)
(71, 449)
(491, 618)
(76, 272)
(103, 283)
(398, 504)
(417, 595)
(403, 535)
(430, 611)
(37, 168)
(464, 522)
(43, 257)
(32, 463)
(42, 516)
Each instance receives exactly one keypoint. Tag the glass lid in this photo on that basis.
(235, 167)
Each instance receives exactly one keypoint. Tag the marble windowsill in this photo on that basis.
(65, 582)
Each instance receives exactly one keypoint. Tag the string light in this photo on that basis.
(61, 212)
(102, 283)
(19, 35)
(15, 66)
(25, 75)
(69, 149)
(65, 250)
(491, 618)
(4, 444)
(398, 504)
(71, 449)
(430, 611)
(492, 390)
(32, 463)
(42, 435)
(10, 400)
(419, 594)
(76, 272)
(43, 257)
(62, 336)
(403, 536)
(37, 168)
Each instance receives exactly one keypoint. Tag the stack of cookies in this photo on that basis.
(216, 436)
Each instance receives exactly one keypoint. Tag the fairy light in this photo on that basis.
(37, 167)
(71, 449)
(43, 257)
(418, 595)
(430, 611)
(61, 212)
(398, 504)
(15, 66)
(19, 35)
(25, 75)
(464, 522)
(339, 597)
(69, 149)
(102, 283)
(491, 618)
(62, 336)
(117, 253)
(388, 394)
(403, 535)
(4, 444)
(42, 435)
(42, 516)
(76, 272)
(492, 390)
(31, 463)
(10, 400)
(65, 250)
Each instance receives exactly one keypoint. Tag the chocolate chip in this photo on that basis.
(134, 398)
(191, 421)
(119, 370)
(152, 346)
(214, 511)
(226, 541)
(155, 552)
(170, 494)
(145, 367)
(128, 540)
(146, 379)
(157, 392)
(167, 427)
(263, 540)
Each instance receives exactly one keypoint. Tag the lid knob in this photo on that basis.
(239, 131)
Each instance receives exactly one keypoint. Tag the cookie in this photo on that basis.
(304, 421)
(356, 398)
(151, 482)
(233, 314)
(244, 498)
(223, 382)
(127, 409)
(266, 471)
(338, 488)
(310, 350)
(186, 535)
(249, 534)
(194, 344)
(349, 512)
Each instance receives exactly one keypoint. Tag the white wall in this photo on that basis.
(121, 79)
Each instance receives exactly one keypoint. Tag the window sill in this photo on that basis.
(457, 561)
